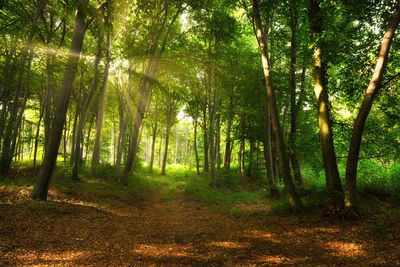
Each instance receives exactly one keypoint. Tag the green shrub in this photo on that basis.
(372, 179)
(395, 181)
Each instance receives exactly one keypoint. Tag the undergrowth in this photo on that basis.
(233, 194)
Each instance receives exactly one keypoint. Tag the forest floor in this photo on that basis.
(107, 227)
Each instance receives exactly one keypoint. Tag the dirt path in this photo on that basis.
(178, 232)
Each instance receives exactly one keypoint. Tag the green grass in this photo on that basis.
(233, 194)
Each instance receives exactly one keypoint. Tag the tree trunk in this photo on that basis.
(242, 155)
(251, 159)
(268, 152)
(218, 142)
(87, 142)
(103, 99)
(333, 182)
(195, 145)
(78, 149)
(41, 187)
(359, 123)
(205, 138)
(48, 94)
(14, 121)
(227, 158)
(145, 89)
(74, 127)
(293, 107)
(164, 162)
(36, 142)
(153, 145)
(212, 111)
(294, 199)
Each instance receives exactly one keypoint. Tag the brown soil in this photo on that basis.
(180, 232)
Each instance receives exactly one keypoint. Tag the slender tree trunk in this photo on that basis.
(212, 109)
(121, 138)
(279, 141)
(78, 149)
(218, 141)
(372, 90)
(333, 182)
(48, 94)
(196, 154)
(227, 157)
(14, 121)
(205, 139)
(103, 99)
(41, 187)
(251, 159)
(87, 142)
(76, 116)
(164, 162)
(293, 107)
(268, 152)
(159, 152)
(242, 155)
(153, 145)
(37, 142)
(145, 89)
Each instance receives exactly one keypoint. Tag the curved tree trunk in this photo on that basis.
(359, 123)
(333, 182)
(41, 187)
(294, 199)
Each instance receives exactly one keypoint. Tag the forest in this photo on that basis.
(199, 132)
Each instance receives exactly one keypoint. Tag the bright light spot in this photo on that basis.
(182, 116)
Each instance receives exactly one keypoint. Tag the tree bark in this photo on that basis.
(78, 149)
(36, 142)
(145, 89)
(164, 162)
(103, 99)
(333, 182)
(268, 152)
(294, 199)
(227, 158)
(242, 154)
(372, 90)
(205, 138)
(293, 107)
(41, 187)
(218, 141)
(212, 111)
(195, 145)
(153, 145)
(11, 129)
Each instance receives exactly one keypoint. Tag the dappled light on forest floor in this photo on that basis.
(53, 257)
(348, 249)
(76, 228)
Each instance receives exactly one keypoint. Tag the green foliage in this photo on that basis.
(395, 181)
(373, 179)
(281, 207)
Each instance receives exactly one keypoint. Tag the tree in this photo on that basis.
(333, 182)
(81, 23)
(359, 123)
(283, 160)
